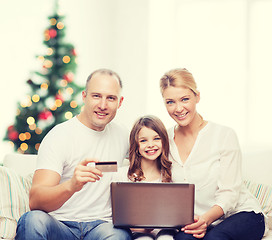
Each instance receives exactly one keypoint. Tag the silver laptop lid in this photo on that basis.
(152, 205)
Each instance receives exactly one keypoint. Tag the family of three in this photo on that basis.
(70, 199)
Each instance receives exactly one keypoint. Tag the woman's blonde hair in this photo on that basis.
(179, 77)
(135, 172)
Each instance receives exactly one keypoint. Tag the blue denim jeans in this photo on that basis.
(35, 225)
(240, 226)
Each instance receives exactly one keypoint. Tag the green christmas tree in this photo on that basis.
(54, 94)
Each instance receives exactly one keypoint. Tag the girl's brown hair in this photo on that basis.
(135, 172)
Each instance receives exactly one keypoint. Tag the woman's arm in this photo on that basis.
(213, 214)
(230, 181)
(228, 186)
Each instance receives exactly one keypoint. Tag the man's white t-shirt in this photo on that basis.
(71, 142)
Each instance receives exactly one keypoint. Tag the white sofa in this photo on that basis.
(17, 170)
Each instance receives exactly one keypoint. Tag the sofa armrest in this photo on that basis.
(22, 164)
(14, 200)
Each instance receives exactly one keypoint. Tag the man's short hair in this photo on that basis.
(105, 71)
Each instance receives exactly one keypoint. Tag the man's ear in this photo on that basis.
(198, 97)
(120, 101)
(84, 94)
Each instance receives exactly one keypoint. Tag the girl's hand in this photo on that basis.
(197, 229)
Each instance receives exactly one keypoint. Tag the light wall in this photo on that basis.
(224, 43)
(227, 47)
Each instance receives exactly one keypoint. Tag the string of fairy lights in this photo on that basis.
(48, 105)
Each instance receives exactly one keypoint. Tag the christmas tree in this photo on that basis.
(53, 92)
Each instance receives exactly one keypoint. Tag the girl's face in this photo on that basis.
(150, 144)
(181, 104)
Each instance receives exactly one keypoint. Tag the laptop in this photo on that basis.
(152, 205)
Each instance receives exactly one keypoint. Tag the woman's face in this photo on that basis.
(181, 104)
(150, 144)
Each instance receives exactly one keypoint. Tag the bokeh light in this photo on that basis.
(58, 103)
(63, 83)
(66, 59)
(28, 135)
(22, 137)
(53, 21)
(44, 86)
(38, 131)
(48, 63)
(32, 126)
(37, 145)
(60, 25)
(36, 98)
(24, 147)
(73, 104)
(50, 51)
(70, 90)
(68, 115)
(30, 120)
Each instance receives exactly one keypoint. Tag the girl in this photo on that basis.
(148, 152)
(148, 162)
(208, 155)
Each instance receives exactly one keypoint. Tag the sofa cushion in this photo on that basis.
(263, 193)
(257, 163)
(23, 164)
(14, 200)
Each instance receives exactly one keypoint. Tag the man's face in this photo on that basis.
(102, 99)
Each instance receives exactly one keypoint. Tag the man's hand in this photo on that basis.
(84, 174)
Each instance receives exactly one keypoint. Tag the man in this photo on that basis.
(69, 198)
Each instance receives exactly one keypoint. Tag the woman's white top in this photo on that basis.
(214, 166)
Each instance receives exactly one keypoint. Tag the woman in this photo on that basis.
(208, 155)
(148, 158)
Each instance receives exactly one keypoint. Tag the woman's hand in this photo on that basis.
(198, 229)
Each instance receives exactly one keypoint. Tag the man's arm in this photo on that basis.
(48, 194)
